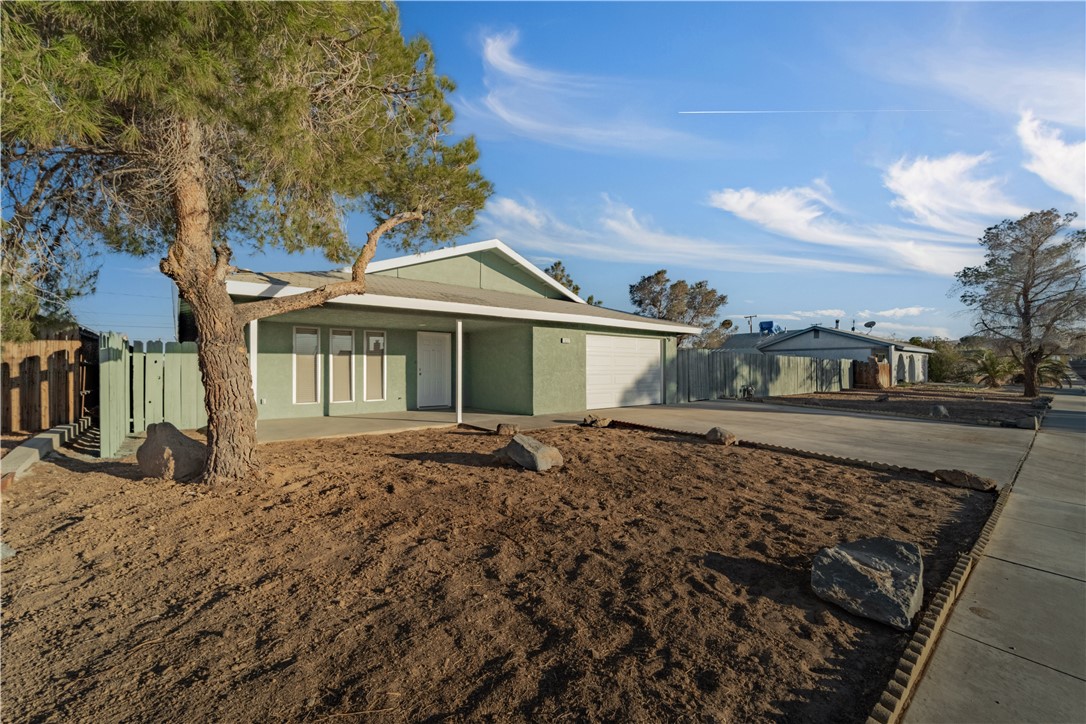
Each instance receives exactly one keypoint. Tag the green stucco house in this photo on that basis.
(468, 327)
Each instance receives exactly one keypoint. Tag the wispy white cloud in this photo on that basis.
(807, 214)
(616, 229)
(896, 312)
(945, 193)
(1061, 165)
(565, 109)
(995, 78)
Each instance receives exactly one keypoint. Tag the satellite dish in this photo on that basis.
(869, 326)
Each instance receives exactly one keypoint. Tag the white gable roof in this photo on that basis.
(494, 245)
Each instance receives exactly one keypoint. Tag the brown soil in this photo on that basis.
(965, 404)
(412, 577)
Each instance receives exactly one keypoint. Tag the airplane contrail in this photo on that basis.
(868, 110)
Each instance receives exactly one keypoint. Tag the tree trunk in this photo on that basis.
(1031, 378)
(199, 269)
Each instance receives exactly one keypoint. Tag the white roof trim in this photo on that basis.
(464, 249)
(381, 301)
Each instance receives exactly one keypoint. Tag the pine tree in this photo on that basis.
(183, 128)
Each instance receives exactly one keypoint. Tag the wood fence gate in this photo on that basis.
(144, 383)
(42, 384)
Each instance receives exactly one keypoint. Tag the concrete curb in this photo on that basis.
(1037, 414)
(19, 460)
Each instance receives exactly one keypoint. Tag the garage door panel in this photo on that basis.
(623, 371)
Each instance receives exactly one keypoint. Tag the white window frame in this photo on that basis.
(332, 367)
(294, 365)
(384, 366)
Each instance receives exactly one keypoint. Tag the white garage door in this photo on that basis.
(623, 371)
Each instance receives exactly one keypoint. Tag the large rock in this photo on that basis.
(939, 411)
(1026, 423)
(507, 429)
(596, 421)
(964, 479)
(168, 453)
(530, 453)
(720, 436)
(877, 578)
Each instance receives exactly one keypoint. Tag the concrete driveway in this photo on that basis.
(927, 445)
(993, 452)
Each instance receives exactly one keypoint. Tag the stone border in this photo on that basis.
(895, 696)
(19, 460)
(824, 457)
(1037, 414)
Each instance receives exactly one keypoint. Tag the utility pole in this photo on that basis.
(750, 321)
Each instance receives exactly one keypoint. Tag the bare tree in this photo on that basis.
(1029, 295)
(657, 296)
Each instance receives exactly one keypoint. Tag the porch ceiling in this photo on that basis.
(334, 315)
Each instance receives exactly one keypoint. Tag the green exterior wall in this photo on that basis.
(481, 270)
(498, 370)
(559, 373)
(519, 369)
(559, 370)
(275, 380)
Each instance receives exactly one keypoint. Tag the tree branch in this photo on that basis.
(248, 311)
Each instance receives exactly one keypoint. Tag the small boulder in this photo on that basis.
(939, 411)
(596, 421)
(6, 551)
(169, 454)
(530, 453)
(720, 436)
(507, 429)
(1041, 403)
(883, 398)
(1026, 423)
(877, 578)
(963, 479)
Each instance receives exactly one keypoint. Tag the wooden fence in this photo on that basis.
(42, 384)
(147, 383)
(711, 374)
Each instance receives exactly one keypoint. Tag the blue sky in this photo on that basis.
(812, 161)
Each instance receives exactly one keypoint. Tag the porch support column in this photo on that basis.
(459, 371)
(253, 353)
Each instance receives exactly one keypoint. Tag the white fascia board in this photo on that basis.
(382, 301)
(453, 251)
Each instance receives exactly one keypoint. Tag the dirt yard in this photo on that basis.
(412, 577)
(964, 403)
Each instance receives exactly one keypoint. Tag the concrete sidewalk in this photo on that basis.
(1014, 648)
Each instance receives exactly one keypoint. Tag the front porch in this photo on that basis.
(381, 423)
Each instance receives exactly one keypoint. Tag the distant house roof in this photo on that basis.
(865, 338)
(396, 293)
(747, 343)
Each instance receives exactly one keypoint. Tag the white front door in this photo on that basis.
(435, 369)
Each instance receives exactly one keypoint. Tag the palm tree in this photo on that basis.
(989, 369)
(1054, 372)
